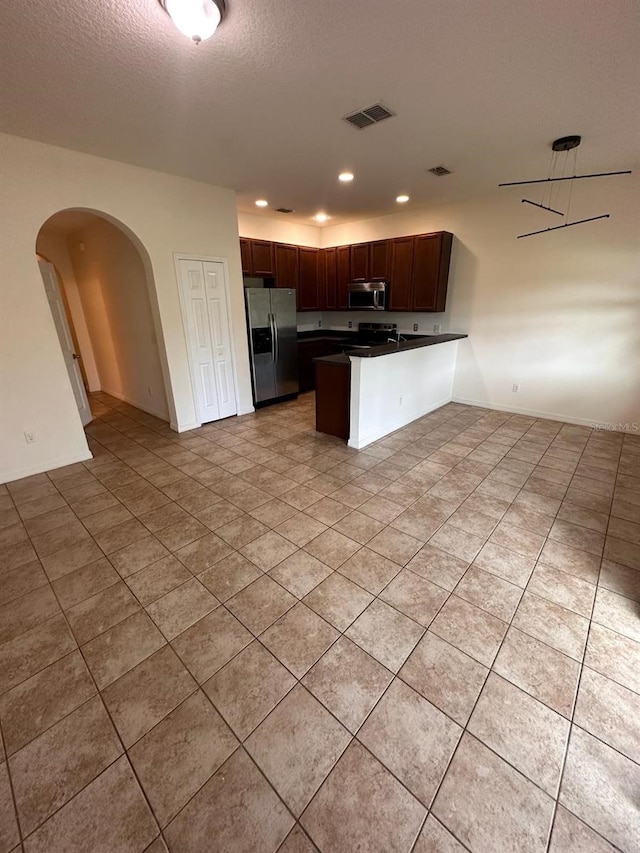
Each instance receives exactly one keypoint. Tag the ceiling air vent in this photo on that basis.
(285, 210)
(440, 171)
(372, 115)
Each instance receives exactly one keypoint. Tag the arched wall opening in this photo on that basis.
(110, 297)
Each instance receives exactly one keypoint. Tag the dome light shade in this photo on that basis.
(197, 19)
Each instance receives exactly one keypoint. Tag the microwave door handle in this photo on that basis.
(376, 299)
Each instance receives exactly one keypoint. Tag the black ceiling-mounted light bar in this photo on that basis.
(563, 144)
(543, 206)
(565, 225)
(567, 178)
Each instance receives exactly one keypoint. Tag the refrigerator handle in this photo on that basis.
(276, 343)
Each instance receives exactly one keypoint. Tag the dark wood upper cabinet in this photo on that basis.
(400, 274)
(245, 256)
(330, 278)
(262, 258)
(431, 257)
(344, 277)
(309, 279)
(360, 261)
(286, 266)
(379, 259)
(416, 267)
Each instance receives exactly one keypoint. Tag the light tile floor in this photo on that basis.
(251, 638)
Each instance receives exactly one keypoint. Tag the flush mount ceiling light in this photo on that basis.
(345, 177)
(321, 217)
(262, 202)
(559, 172)
(402, 199)
(197, 19)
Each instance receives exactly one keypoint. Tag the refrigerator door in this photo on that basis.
(261, 342)
(283, 308)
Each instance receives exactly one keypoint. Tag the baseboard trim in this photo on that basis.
(535, 413)
(369, 439)
(184, 427)
(135, 404)
(10, 476)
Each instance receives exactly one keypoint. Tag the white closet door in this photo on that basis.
(208, 338)
(71, 358)
(220, 336)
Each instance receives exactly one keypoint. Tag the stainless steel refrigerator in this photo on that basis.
(273, 342)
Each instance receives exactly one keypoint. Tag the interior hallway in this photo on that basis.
(252, 638)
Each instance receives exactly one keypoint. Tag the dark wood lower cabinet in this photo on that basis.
(333, 398)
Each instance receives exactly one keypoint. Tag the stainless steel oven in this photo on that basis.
(368, 295)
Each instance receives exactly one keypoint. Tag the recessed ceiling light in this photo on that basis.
(321, 217)
(402, 199)
(345, 177)
(262, 202)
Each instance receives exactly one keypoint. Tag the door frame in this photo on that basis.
(180, 256)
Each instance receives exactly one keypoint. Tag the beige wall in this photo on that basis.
(279, 230)
(52, 245)
(168, 215)
(558, 314)
(113, 289)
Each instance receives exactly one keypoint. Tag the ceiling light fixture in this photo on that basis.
(345, 177)
(262, 202)
(549, 200)
(321, 217)
(197, 19)
(402, 199)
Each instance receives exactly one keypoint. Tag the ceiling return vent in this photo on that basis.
(372, 115)
(285, 210)
(439, 171)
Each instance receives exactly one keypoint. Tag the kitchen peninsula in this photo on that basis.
(365, 394)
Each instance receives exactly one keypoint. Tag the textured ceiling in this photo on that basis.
(482, 87)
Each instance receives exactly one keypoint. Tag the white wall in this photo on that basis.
(113, 289)
(279, 230)
(391, 391)
(168, 215)
(52, 245)
(558, 313)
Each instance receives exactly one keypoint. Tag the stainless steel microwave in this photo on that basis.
(368, 295)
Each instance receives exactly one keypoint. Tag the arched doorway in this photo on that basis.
(106, 295)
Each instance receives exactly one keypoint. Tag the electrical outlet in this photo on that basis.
(319, 324)
(29, 437)
(515, 387)
(415, 327)
(436, 329)
(400, 400)
(350, 324)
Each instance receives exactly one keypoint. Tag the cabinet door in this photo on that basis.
(379, 259)
(360, 261)
(330, 279)
(400, 275)
(262, 260)
(343, 266)
(308, 299)
(426, 253)
(245, 256)
(286, 266)
(432, 253)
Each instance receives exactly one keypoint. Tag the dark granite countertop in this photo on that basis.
(326, 335)
(388, 349)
